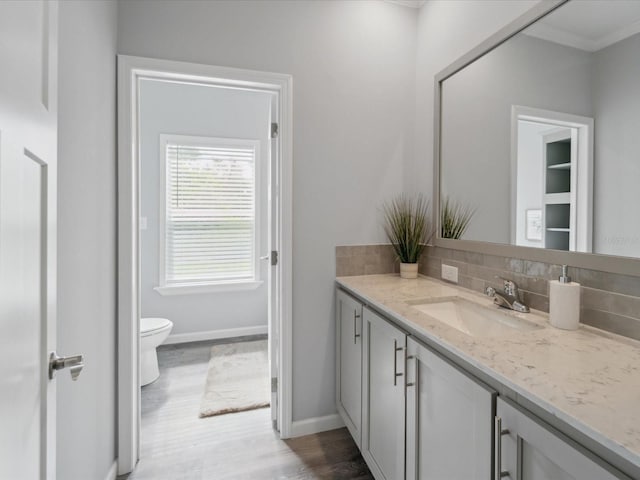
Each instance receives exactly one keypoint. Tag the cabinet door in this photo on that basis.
(449, 420)
(528, 450)
(383, 426)
(349, 362)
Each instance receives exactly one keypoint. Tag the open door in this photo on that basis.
(274, 246)
(28, 144)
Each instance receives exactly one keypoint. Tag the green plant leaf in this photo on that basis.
(455, 218)
(407, 226)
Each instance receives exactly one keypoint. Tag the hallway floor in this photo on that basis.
(177, 445)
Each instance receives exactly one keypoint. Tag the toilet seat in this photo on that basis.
(149, 326)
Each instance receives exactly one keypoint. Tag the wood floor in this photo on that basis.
(177, 445)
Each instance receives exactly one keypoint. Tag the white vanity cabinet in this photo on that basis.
(449, 420)
(349, 362)
(383, 407)
(528, 450)
(416, 414)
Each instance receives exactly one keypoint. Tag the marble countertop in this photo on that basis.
(588, 378)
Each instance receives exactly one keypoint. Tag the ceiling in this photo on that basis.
(408, 3)
(589, 25)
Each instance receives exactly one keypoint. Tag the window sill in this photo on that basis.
(193, 289)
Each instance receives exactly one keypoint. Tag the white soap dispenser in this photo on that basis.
(564, 302)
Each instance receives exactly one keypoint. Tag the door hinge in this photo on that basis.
(274, 258)
(274, 384)
(274, 130)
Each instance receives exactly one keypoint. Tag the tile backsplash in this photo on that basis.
(354, 260)
(608, 301)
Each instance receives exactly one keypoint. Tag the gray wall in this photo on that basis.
(353, 67)
(529, 181)
(616, 94)
(446, 31)
(87, 237)
(476, 121)
(170, 108)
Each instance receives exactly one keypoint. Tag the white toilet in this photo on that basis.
(153, 331)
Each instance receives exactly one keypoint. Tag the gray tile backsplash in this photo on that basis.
(365, 260)
(609, 301)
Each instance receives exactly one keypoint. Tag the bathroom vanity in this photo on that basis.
(436, 382)
(535, 133)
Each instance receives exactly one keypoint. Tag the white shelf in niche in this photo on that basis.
(556, 198)
(560, 166)
(553, 229)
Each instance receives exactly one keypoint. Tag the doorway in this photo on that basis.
(552, 179)
(262, 257)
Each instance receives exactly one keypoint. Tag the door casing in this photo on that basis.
(130, 71)
(583, 197)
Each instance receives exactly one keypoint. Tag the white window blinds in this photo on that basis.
(210, 231)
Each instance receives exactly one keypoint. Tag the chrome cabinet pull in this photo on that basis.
(356, 316)
(411, 357)
(499, 432)
(395, 362)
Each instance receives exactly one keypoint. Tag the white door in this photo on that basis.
(28, 129)
(274, 246)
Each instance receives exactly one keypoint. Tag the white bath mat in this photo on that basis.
(237, 380)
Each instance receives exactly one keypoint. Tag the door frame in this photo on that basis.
(131, 70)
(584, 165)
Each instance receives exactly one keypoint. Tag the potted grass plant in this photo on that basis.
(407, 226)
(454, 218)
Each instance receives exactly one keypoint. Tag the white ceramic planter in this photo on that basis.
(408, 270)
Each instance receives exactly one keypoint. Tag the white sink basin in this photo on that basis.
(473, 319)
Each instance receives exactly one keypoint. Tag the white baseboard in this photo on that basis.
(316, 425)
(113, 471)
(215, 334)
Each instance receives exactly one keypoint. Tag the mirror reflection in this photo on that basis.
(540, 137)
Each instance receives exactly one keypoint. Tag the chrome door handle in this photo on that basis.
(264, 257)
(75, 364)
(499, 432)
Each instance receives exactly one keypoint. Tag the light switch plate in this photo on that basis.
(143, 223)
(450, 273)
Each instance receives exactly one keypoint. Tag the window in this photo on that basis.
(210, 233)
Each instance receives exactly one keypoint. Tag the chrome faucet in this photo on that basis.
(509, 297)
